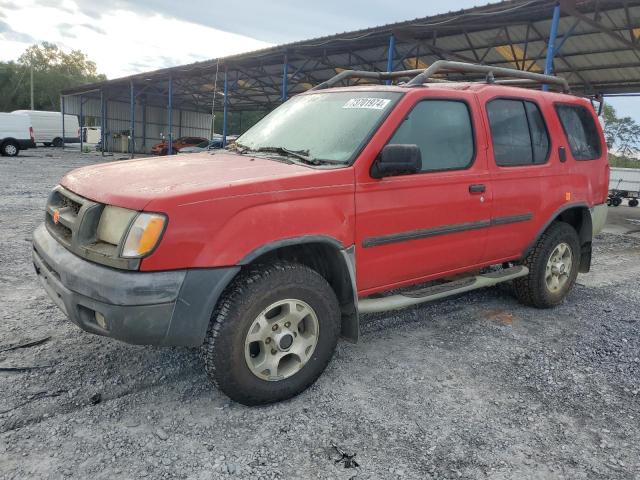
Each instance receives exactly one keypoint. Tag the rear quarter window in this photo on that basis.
(580, 130)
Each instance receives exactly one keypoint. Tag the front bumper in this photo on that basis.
(150, 308)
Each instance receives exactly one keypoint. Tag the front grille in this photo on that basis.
(64, 209)
(76, 228)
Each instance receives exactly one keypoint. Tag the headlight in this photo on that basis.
(114, 223)
(144, 234)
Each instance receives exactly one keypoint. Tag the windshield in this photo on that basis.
(326, 127)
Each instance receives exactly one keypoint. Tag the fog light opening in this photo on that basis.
(101, 321)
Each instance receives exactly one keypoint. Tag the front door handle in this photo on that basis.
(477, 188)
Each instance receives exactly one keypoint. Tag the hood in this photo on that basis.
(185, 178)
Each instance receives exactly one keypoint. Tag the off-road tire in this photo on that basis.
(532, 289)
(9, 148)
(241, 303)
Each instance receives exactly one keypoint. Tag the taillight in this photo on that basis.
(33, 137)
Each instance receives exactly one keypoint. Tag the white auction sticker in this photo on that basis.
(372, 103)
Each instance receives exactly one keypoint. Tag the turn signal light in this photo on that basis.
(144, 235)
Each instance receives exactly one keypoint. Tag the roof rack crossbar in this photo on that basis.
(445, 66)
(365, 74)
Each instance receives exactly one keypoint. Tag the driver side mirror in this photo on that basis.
(397, 159)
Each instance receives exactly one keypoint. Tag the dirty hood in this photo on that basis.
(194, 177)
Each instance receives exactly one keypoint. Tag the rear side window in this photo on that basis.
(518, 133)
(442, 129)
(581, 131)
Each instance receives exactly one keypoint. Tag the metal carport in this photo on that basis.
(593, 44)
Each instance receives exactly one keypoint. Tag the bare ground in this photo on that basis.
(473, 387)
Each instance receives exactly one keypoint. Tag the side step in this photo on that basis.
(436, 292)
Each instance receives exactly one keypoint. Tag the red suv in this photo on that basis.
(264, 254)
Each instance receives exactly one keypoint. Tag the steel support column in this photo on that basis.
(548, 64)
(225, 112)
(81, 125)
(103, 121)
(170, 150)
(62, 109)
(144, 125)
(132, 135)
(285, 79)
(390, 53)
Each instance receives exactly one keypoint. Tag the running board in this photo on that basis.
(436, 292)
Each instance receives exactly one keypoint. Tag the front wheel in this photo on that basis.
(10, 149)
(553, 267)
(272, 334)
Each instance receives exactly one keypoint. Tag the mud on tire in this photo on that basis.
(533, 290)
(244, 301)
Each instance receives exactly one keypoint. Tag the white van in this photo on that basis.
(15, 134)
(47, 127)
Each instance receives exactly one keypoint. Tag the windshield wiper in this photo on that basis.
(299, 154)
(285, 152)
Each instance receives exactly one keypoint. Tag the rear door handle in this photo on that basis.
(477, 188)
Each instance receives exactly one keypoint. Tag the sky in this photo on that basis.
(132, 36)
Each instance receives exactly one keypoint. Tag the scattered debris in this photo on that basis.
(161, 434)
(345, 458)
(34, 397)
(25, 368)
(32, 343)
(501, 316)
(95, 399)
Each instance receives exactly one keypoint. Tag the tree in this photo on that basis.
(622, 134)
(53, 71)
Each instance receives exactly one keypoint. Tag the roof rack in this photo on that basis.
(513, 77)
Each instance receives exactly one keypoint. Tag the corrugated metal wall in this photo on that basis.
(147, 134)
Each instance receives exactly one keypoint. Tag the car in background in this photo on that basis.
(162, 148)
(47, 127)
(213, 144)
(15, 134)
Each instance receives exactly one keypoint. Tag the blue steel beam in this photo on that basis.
(170, 150)
(392, 48)
(81, 124)
(225, 109)
(132, 148)
(285, 79)
(102, 123)
(62, 108)
(548, 64)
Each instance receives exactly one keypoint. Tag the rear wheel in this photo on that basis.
(616, 202)
(633, 202)
(57, 142)
(273, 333)
(553, 267)
(9, 149)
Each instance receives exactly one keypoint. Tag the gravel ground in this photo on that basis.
(472, 387)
